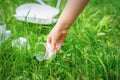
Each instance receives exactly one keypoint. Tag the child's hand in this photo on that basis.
(66, 19)
(56, 38)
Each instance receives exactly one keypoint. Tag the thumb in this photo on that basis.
(49, 40)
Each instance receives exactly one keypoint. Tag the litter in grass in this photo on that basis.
(101, 34)
(4, 34)
(37, 13)
(21, 43)
(7, 34)
(43, 51)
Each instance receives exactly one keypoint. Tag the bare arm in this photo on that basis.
(70, 13)
(66, 19)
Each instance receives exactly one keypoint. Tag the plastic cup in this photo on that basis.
(43, 51)
(2, 27)
(2, 31)
(7, 34)
(21, 43)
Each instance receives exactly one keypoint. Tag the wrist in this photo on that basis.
(62, 26)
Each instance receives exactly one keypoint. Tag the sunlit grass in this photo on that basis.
(91, 50)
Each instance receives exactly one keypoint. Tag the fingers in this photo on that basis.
(49, 40)
(53, 45)
(56, 39)
(58, 46)
(52, 41)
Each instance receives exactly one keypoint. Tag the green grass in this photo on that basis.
(85, 55)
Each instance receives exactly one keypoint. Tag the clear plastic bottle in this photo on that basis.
(21, 43)
(43, 51)
(2, 31)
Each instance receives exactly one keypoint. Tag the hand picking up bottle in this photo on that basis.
(43, 51)
(71, 11)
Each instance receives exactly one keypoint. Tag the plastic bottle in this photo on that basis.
(43, 51)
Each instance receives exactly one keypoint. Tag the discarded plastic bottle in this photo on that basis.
(43, 51)
(2, 31)
(7, 34)
(21, 43)
(4, 34)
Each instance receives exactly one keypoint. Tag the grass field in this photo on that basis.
(91, 50)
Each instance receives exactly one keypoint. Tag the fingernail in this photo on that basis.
(51, 49)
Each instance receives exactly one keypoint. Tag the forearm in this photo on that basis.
(70, 13)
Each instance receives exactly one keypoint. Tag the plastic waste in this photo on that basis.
(43, 51)
(7, 34)
(21, 43)
(37, 13)
(4, 34)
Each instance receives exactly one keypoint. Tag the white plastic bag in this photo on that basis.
(37, 13)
